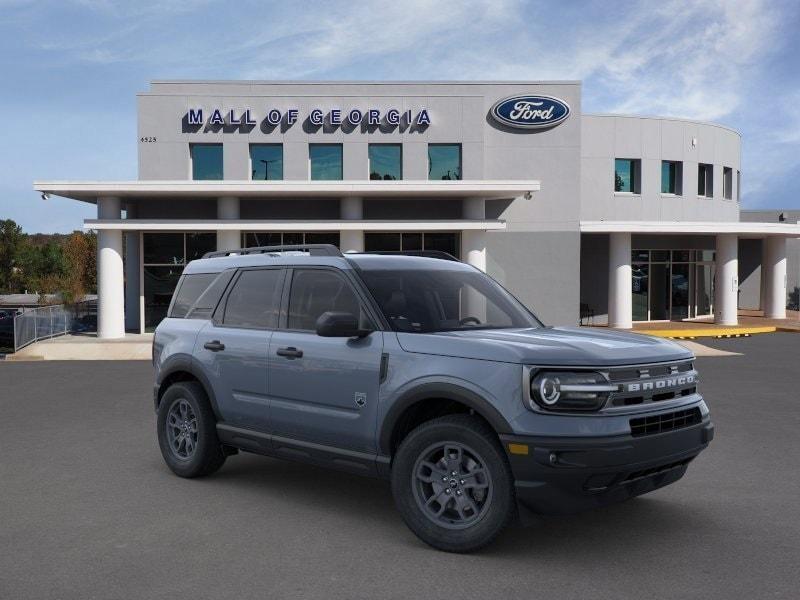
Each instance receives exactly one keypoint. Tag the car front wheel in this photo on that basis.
(452, 483)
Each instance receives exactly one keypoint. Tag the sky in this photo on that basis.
(70, 70)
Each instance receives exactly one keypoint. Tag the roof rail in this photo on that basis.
(312, 249)
(440, 254)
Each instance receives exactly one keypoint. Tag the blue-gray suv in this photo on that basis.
(424, 371)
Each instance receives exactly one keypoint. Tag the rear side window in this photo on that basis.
(204, 307)
(189, 290)
(254, 300)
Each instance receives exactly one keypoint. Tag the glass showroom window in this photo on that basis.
(266, 162)
(627, 173)
(727, 183)
(206, 161)
(325, 161)
(671, 177)
(444, 161)
(705, 180)
(385, 162)
(251, 239)
(446, 241)
(165, 255)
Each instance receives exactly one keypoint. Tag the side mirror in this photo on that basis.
(339, 324)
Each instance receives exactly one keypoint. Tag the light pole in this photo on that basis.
(266, 167)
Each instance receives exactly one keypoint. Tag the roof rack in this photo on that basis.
(312, 249)
(440, 254)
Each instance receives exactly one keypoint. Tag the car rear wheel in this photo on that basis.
(452, 483)
(187, 433)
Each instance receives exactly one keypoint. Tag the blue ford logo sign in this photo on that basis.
(530, 112)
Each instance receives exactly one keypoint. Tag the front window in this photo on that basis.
(444, 161)
(206, 161)
(385, 162)
(325, 161)
(444, 299)
(266, 162)
(626, 175)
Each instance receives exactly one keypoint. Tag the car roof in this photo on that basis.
(363, 261)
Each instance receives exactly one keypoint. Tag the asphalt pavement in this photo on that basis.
(89, 510)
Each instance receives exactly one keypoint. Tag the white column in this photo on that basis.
(620, 296)
(132, 281)
(473, 243)
(726, 284)
(110, 281)
(352, 209)
(228, 208)
(773, 270)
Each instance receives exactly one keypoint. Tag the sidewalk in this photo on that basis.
(750, 322)
(87, 347)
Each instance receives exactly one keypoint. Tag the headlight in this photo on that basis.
(565, 390)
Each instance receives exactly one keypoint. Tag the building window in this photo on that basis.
(445, 241)
(727, 183)
(276, 238)
(627, 174)
(444, 161)
(206, 161)
(738, 186)
(266, 162)
(671, 177)
(385, 162)
(165, 255)
(325, 161)
(705, 180)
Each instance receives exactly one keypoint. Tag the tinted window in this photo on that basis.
(315, 291)
(189, 291)
(266, 162)
(431, 300)
(385, 162)
(206, 161)
(204, 306)
(255, 299)
(326, 161)
(444, 161)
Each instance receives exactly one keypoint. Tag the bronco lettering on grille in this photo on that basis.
(660, 384)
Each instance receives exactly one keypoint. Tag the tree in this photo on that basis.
(80, 256)
(11, 241)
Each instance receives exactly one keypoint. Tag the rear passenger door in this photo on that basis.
(324, 390)
(233, 347)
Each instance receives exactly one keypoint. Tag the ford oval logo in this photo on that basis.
(530, 112)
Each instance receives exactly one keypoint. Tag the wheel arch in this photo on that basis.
(180, 368)
(413, 403)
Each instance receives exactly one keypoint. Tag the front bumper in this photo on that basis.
(561, 475)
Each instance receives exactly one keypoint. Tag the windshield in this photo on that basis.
(433, 300)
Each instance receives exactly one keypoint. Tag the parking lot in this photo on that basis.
(89, 510)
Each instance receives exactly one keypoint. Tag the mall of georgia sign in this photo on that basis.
(530, 112)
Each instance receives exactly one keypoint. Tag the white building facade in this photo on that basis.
(610, 218)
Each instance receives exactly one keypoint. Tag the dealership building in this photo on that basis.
(609, 218)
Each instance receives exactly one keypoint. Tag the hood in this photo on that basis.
(553, 346)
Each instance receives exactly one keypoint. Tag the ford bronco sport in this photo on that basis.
(424, 371)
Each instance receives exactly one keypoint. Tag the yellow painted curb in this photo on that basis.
(688, 334)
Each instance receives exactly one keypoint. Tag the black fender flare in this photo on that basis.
(446, 391)
(184, 363)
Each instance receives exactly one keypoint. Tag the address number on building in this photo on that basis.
(147, 139)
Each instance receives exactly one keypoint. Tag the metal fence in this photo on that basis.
(50, 321)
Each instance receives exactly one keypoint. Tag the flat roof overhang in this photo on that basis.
(89, 191)
(742, 229)
(292, 225)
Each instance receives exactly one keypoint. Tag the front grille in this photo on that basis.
(652, 383)
(665, 422)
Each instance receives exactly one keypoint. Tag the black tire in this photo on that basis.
(459, 528)
(206, 455)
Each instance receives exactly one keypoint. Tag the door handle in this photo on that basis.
(290, 352)
(214, 346)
